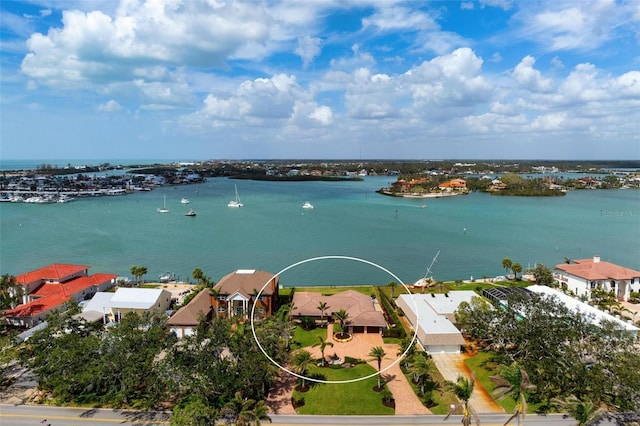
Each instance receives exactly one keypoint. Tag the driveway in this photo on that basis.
(451, 366)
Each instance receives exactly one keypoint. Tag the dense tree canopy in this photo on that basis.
(137, 363)
(562, 350)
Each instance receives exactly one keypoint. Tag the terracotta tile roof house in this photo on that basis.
(363, 316)
(453, 184)
(54, 273)
(583, 275)
(234, 294)
(49, 287)
(185, 321)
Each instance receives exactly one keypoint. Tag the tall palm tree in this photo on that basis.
(322, 307)
(506, 264)
(516, 268)
(463, 388)
(513, 380)
(301, 361)
(343, 317)
(138, 272)
(392, 285)
(198, 275)
(323, 345)
(377, 353)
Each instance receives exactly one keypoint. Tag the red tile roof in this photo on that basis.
(55, 271)
(74, 286)
(590, 270)
(36, 307)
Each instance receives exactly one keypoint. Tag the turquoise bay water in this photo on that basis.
(272, 231)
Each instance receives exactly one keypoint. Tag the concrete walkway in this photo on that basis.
(451, 366)
(407, 402)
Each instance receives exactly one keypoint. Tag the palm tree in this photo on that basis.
(292, 306)
(245, 412)
(583, 411)
(516, 268)
(514, 381)
(253, 414)
(343, 317)
(393, 285)
(301, 361)
(377, 353)
(406, 345)
(323, 345)
(506, 264)
(322, 307)
(421, 370)
(463, 388)
(138, 272)
(198, 275)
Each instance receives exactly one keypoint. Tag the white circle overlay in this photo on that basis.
(314, 259)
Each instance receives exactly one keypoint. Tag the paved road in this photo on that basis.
(32, 415)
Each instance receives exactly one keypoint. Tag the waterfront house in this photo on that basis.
(431, 317)
(113, 306)
(595, 315)
(235, 293)
(363, 315)
(186, 320)
(453, 185)
(138, 300)
(49, 287)
(583, 275)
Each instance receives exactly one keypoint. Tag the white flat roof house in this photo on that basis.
(596, 314)
(431, 315)
(115, 305)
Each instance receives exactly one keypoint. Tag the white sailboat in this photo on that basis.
(307, 205)
(164, 208)
(236, 202)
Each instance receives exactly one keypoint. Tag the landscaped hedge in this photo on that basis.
(391, 317)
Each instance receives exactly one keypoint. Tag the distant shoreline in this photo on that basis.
(298, 178)
(419, 196)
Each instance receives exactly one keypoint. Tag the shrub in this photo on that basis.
(307, 323)
(351, 360)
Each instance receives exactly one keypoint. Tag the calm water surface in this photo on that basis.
(272, 231)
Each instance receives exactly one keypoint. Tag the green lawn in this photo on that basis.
(484, 365)
(357, 398)
(303, 338)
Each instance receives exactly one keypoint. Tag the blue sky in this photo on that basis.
(216, 79)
